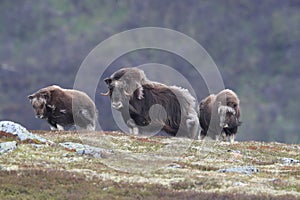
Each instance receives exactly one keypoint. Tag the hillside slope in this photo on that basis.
(134, 167)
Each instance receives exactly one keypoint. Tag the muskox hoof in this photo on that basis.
(231, 137)
(134, 131)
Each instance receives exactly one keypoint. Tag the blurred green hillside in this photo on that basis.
(255, 44)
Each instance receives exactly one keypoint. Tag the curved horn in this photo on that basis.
(106, 93)
(126, 93)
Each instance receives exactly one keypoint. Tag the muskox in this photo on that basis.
(219, 115)
(148, 106)
(64, 108)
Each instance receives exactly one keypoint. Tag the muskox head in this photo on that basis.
(228, 118)
(227, 104)
(40, 99)
(229, 98)
(122, 84)
(39, 103)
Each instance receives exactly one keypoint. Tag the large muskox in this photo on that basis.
(219, 115)
(64, 108)
(148, 106)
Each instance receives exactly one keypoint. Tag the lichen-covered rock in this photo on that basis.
(243, 170)
(7, 146)
(145, 164)
(14, 130)
(82, 149)
(289, 161)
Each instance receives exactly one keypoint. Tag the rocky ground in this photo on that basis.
(114, 165)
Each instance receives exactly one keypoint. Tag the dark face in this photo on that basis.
(117, 92)
(227, 116)
(232, 105)
(39, 106)
(230, 121)
(121, 86)
(119, 96)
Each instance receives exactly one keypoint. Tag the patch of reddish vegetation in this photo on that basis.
(263, 162)
(70, 149)
(50, 132)
(7, 135)
(264, 147)
(292, 168)
(148, 140)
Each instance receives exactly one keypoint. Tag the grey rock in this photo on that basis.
(7, 146)
(289, 160)
(234, 151)
(82, 149)
(243, 170)
(37, 146)
(175, 166)
(239, 184)
(16, 130)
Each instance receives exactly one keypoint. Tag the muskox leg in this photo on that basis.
(85, 120)
(224, 137)
(53, 128)
(133, 129)
(53, 125)
(91, 127)
(193, 126)
(221, 136)
(59, 127)
(232, 136)
(202, 134)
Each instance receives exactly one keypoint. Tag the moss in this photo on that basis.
(137, 145)
(183, 185)
(142, 168)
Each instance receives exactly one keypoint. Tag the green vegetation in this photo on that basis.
(255, 45)
(143, 172)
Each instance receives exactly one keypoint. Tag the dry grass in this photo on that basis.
(147, 168)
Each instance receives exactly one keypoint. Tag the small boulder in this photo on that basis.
(289, 161)
(16, 131)
(82, 149)
(243, 170)
(7, 146)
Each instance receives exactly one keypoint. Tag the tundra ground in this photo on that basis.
(148, 168)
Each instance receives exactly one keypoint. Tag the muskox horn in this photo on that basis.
(106, 93)
(126, 93)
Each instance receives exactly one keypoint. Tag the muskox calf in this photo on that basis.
(148, 106)
(219, 115)
(64, 108)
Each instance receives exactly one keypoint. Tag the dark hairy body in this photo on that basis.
(219, 115)
(146, 105)
(153, 95)
(63, 108)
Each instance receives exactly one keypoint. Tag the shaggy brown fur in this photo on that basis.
(205, 111)
(229, 98)
(64, 108)
(146, 105)
(219, 115)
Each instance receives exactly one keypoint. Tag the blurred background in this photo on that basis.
(255, 44)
